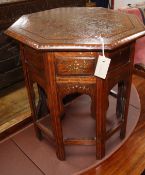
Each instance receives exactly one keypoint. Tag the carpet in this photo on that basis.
(77, 123)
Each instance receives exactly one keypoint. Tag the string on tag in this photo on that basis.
(103, 62)
(102, 41)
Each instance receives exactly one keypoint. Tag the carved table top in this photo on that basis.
(76, 28)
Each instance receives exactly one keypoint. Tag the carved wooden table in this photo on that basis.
(60, 49)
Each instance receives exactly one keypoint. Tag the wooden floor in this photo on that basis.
(130, 158)
(14, 106)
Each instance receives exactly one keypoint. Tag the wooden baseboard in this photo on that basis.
(139, 72)
(16, 127)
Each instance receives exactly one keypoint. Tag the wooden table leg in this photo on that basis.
(31, 94)
(120, 103)
(126, 97)
(55, 114)
(54, 104)
(101, 108)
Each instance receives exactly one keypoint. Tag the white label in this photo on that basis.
(102, 67)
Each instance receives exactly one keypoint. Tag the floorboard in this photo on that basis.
(78, 116)
(14, 106)
(130, 158)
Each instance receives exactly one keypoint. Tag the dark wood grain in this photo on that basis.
(61, 59)
(75, 29)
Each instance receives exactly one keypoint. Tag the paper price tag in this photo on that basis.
(102, 67)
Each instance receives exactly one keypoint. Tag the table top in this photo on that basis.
(76, 28)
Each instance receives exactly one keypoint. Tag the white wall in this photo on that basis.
(122, 3)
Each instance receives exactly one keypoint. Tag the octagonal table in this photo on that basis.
(60, 50)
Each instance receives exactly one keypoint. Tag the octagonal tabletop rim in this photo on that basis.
(76, 28)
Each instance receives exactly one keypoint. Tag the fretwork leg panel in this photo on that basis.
(60, 74)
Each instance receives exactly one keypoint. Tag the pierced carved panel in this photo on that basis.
(66, 89)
